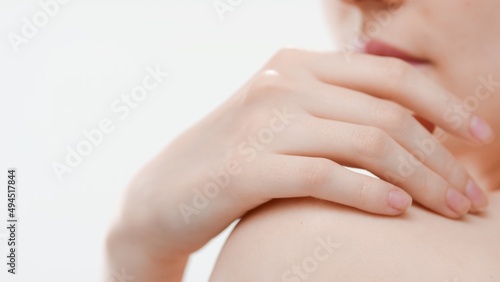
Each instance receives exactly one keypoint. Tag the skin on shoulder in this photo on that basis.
(312, 240)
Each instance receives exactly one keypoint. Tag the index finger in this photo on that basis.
(396, 80)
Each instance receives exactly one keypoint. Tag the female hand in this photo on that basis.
(289, 132)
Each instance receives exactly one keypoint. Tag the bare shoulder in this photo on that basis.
(312, 240)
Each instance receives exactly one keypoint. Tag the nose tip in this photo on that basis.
(369, 5)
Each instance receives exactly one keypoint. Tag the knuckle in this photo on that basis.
(427, 184)
(285, 56)
(391, 117)
(370, 142)
(317, 175)
(455, 173)
(449, 168)
(366, 191)
(432, 187)
(267, 85)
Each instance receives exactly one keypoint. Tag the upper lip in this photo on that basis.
(379, 48)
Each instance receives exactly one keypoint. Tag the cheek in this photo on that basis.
(342, 20)
(468, 36)
(463, 33)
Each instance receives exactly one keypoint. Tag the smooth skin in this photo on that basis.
(280, 241)
(289, 132)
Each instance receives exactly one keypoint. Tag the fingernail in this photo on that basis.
(399, 200)
(457, 202)
(481, 130)
(476, 195)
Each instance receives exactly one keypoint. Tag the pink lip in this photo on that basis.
(378, 48)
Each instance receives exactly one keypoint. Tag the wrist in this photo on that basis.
(131, 255)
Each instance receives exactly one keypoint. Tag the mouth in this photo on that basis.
(379, 48)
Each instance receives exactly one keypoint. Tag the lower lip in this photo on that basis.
(380, 49)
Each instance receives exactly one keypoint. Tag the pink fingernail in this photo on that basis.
(457, 202)
(476, 195)
(399, 200)
(481, 130)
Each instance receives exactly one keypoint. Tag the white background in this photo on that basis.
(64, 80)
